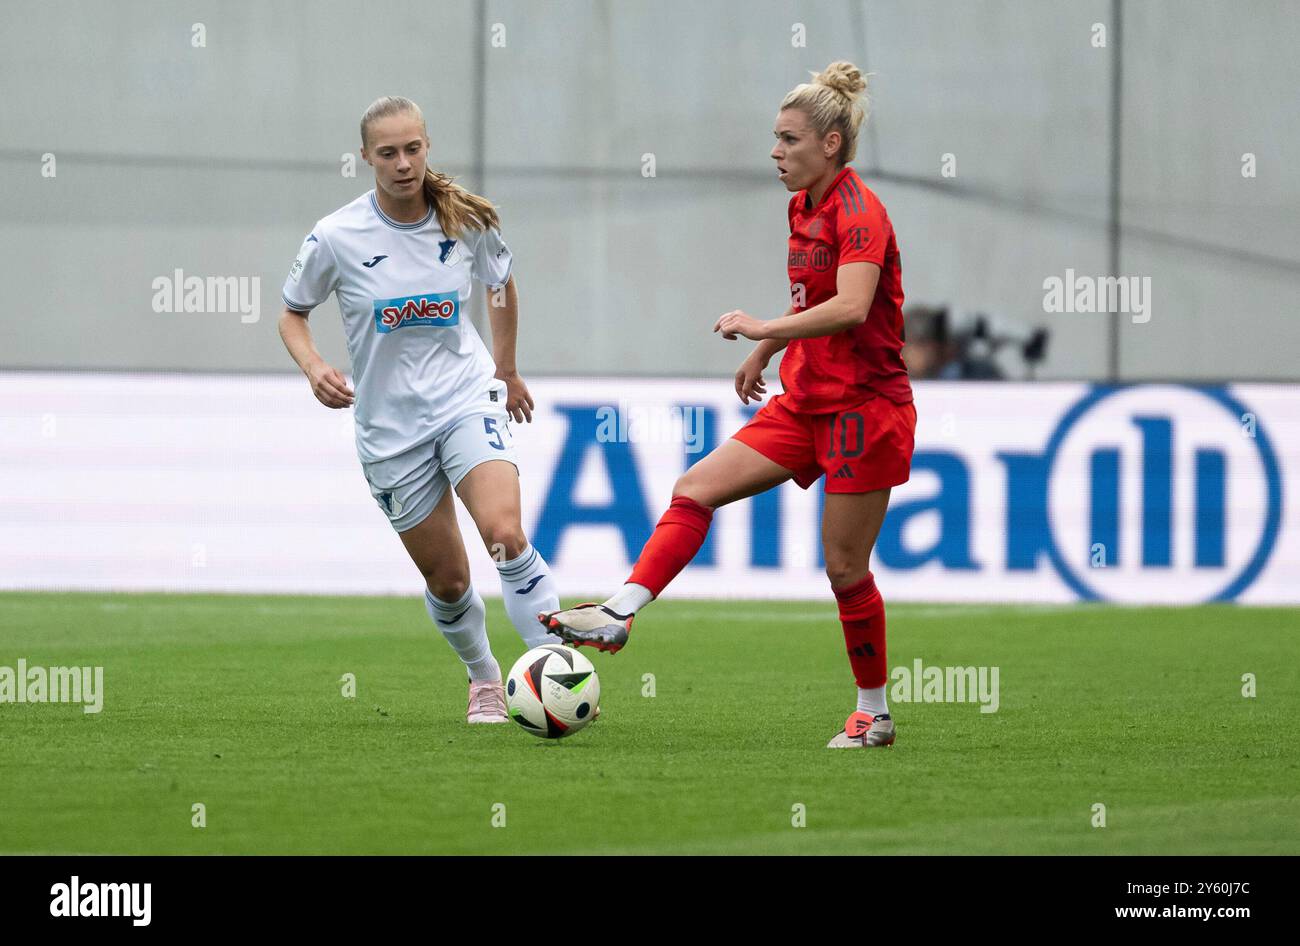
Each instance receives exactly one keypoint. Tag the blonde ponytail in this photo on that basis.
(458, 210)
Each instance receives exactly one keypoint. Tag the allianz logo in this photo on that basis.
(1143, 493)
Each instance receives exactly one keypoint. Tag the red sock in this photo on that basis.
(676, 539)
(862, 612)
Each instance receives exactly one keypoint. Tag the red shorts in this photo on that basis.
(860, 449)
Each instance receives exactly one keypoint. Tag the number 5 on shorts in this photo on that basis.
(490, 427)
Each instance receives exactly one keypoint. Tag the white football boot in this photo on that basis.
(864, 731)
(589, 625)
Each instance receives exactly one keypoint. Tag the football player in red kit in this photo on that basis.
(846, 410)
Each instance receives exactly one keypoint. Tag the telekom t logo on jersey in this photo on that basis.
(435, 309)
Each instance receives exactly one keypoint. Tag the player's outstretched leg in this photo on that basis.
(676, 539)
(731, 472)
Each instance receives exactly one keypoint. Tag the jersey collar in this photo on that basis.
(395, 224)
(807, 197)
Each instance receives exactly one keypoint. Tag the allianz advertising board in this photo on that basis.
(1047, 492)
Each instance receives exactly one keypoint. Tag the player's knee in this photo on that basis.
(505, 541)
(692, 487)
(844, 570)
(447, 587)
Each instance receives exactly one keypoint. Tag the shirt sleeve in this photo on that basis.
(492, 259)
(863, 229)
(313, 275)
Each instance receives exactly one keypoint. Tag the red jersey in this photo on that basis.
(837, 372)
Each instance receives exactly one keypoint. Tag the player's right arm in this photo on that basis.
(313, 276)
(327, 382)
(749, 377)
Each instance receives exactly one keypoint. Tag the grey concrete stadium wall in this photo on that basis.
(217, 160)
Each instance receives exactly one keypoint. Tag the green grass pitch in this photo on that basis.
(235, 702)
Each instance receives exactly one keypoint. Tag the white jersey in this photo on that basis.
(417, 362)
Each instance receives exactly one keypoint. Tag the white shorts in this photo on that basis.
(408, 486)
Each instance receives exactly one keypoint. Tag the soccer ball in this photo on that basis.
(552, 691)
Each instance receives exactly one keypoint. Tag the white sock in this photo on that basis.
(527, 589)
(629, 599)
(464, 624)
(873, 701)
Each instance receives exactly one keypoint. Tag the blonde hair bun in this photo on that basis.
(844, 77)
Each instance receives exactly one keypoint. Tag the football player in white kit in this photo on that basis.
(432, 406)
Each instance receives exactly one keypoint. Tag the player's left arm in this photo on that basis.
(503, 312)
(855, 287)
(491, 266)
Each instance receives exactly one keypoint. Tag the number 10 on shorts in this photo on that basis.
(851, 435)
